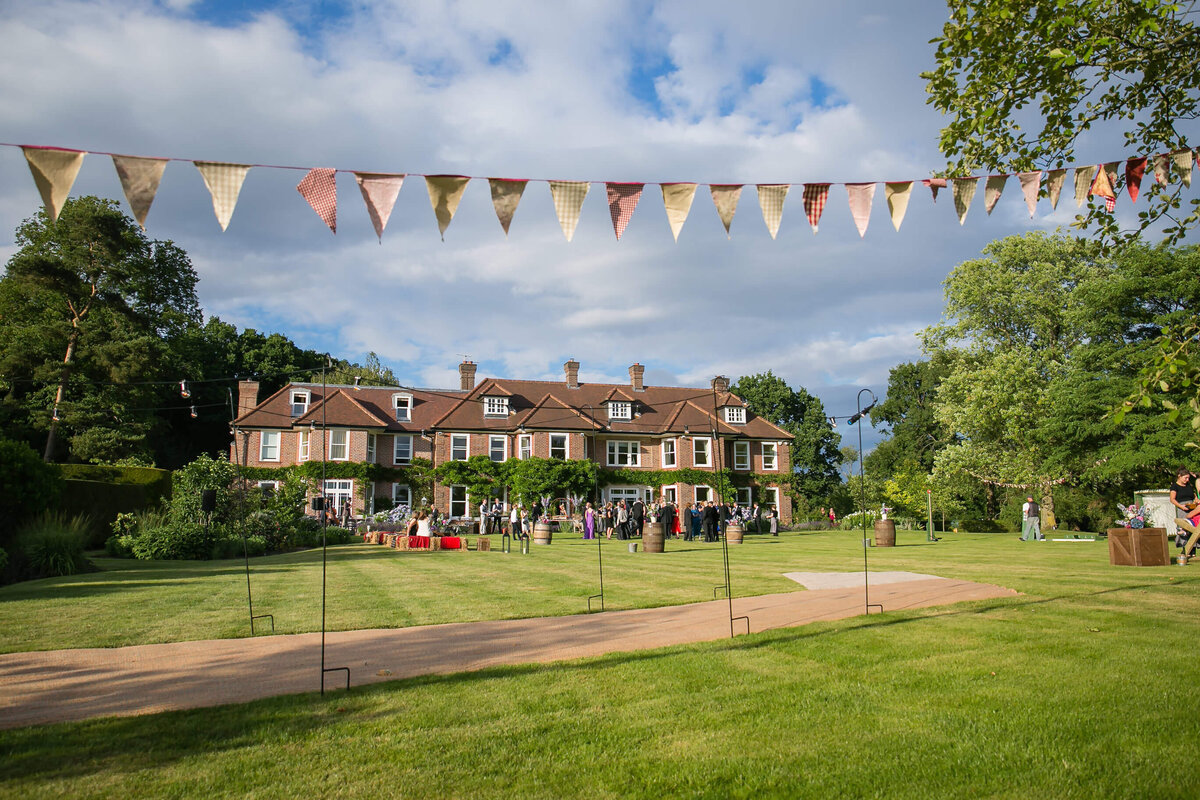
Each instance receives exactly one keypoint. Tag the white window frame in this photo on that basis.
(268, 444)
(466, 448)
(741, 455)
(670, 494)
(402, 405)
(745, 496)
(707, 449)
(495, 406)
(346, 445)
(491, 447)
(372, 442)
(620, 410)
(300, 409)
(396, 440)
(674, 453)
(303, 446)
(696, 493)
(465, 501)
(769, 497)
(273, 485)
(632, 454)
(339, 488)
(396, 490)
(566, 437)
(525, 446)
(735, 415)
(773, 464)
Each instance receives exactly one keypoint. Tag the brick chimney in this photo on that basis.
(571, 368)
(720, 383)
(635, 377)
(466, 375)
(247, 396)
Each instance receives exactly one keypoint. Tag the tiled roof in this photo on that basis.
(370, 405)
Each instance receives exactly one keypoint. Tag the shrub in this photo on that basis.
(987, 526)
(30, 486)
(52, 544)
(3, 559)
(119, 545)
(232, 547)
(265, 526)
(176, 540)
(191, 480)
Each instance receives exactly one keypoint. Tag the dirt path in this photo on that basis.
(63, 685)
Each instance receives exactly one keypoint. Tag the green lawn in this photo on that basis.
(1081, 687)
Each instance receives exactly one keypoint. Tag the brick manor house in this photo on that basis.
(631, 426)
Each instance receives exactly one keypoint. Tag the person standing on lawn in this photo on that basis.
(1031, 520)
(1183, 497)
(667, 514)
(589, 522)
(638, 515)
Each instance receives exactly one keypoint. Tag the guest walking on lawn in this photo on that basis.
(589, 522)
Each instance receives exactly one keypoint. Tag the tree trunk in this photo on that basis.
(52, 436)
(1047, 506)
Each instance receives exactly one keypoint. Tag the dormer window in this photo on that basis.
(495, 406)
(735, 415)
(403, 405)
(620, 410)
(300, 401)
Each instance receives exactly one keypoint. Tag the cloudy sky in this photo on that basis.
(677, 90)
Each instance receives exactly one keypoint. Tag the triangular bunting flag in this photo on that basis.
(964, 193)
(1162, 167)
(860, 195)
(1183, 165)
(677, 199)
(815, 197)
(139, 178)
(379, 192)
(1135, 168)
(725, 198)
(568, 200)
(1105, 185)
(770, 200)
(622, 200)
(224, 182)
(897, 195)
(1030, 184)
(1083, 183)
(54, 172)
(319, 188)
(992, 191)
(1055, 179)
(444, 193)
(934, 184)
(506, 194)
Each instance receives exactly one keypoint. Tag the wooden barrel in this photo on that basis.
(541, 533)
(652, 537)
(885, 533)
(734, 534)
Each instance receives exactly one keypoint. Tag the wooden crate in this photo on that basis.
(1138, 547)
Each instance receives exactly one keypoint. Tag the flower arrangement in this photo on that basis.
(1135, 516)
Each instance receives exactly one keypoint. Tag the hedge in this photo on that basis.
(101, 502)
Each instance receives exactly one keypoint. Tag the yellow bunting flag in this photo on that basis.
(1083, 183)
(964, 193)
(861, 195)
(568, 201)
(224, 182)
(770, 199)
(506, 194)
(1183, 165)
(444, 193)
(1030, 184)
(1055, 179)
(54, 172)
(677, 199)
(379, 192)
(992, 191)
(725, 198)
(139, 178)
(897, 194)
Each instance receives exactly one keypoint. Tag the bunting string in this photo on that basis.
(54, 170)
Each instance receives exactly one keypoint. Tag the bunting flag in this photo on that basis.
(1135, 168)
(897, 195)
(568, 200)
(224, 182)
(444, 193)
(1162, 166)
(1055, 179)
(1105, 185)
(677, 199)
(934, 184)
(1083, 183)
(54, 172)
(1183, 165)
(506, 194)
(964, 193)
(815, 197)
(139, 179)
(725, 198)
(319, 188)
(622, 200)
(1030, 184)
(770, 200)
(379, 192)
(992, 191)
(860, 195)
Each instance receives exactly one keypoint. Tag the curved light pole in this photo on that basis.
(862, 480)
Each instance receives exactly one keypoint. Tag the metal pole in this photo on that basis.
(723, 522)
(325, 520)
(862, 479)
(596, 500)
(929, 498)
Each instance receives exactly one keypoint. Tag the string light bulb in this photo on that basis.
(54, 414)
(194, 415)
(184, 391)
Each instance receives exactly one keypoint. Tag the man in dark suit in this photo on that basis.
(667, 514)
(756, 518)
(710, 518)
(637, 516)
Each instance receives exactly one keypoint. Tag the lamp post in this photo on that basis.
(596, 500)
(862, 480)
(325, 519)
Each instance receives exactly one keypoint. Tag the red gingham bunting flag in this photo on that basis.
(622, 200)
(815, 196)
(379, 193)
(861, 195)
(1135, 168)
(319, 188)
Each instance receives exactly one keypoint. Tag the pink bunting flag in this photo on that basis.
(860, 196)
(1135, 168)
(319, 188)
(379, 192)
(139, 179)
(815, 197)
(992, 191)
(934, 184)
(1030, 184)
(622, 200)
(54, 172)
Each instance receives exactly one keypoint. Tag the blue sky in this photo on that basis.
(674, 90)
